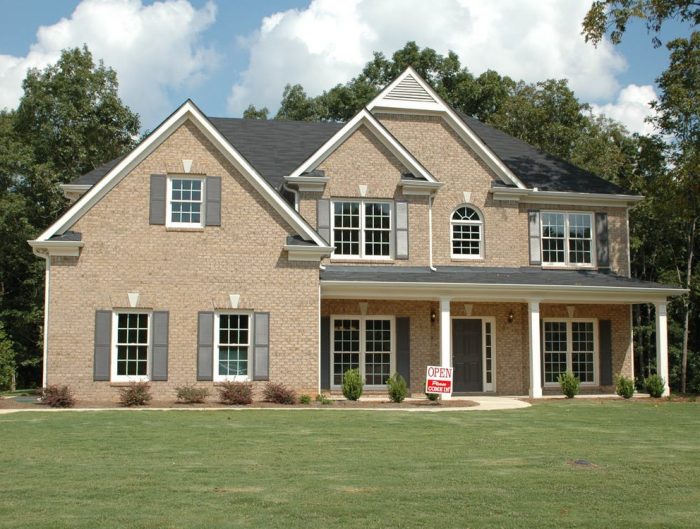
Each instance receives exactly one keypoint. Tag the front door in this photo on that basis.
(467, 355)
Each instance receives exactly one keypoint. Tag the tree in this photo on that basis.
(255, 113)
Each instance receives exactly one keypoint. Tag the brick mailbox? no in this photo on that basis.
(438, 379)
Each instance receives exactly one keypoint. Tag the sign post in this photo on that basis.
(438, 379)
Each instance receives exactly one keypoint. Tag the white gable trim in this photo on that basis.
(386, 102)
(364, 117)
(188, 111)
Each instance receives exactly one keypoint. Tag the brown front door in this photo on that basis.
(467, 356)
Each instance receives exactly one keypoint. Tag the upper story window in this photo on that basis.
(467, 233)
(185, 202)
(567, 238)
(362, 229)
(131, 342)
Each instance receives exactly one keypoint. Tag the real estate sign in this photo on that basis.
(438, 380)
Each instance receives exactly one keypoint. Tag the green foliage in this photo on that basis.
(397, 388)
(191, 394)
(235, 393)
(305, 399)
(255, 113)
(570, 384)
(279, 393)
(432, 396)
(323, 399)
(654, 385)
(8, 365)
(135, 394)
(57, 397)
(352, 384)
(624, 386)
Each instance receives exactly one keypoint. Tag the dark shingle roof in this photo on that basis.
(68, 236)
(482, 276)
(538, 169)
(97, 173)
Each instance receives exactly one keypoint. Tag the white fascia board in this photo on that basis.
(532, 196)
(56, 248)
(307, 253)
(75, 188)
(187, 111)
(363, 117)
(419, 187)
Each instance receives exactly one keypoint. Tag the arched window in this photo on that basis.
(467, 233)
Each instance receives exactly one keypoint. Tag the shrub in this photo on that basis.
(135, 394)
(624, 386)
(352, 384)
(279, 393)
(236, 393)
(397, 388)
(432, 396)
(323, 399)
(191, 394)
(570, 384)
(57, 397)
(305, 399)
(654, 386)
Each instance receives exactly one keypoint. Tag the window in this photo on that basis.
(364, 343)
(362, 229)
(232, 347)
(131, 346)
(567, 239)
(467, 233)
(570, 345)
(186, 202)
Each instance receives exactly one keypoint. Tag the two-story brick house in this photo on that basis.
(227, 249)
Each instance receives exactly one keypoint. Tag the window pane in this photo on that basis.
(377, 224)
(233, 344)
(377, 368)
(583, 346)
(186, 201)
(555, 345)
(132, 344)
(346, 346)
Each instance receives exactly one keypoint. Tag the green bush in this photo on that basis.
(305, 399)
(57, 397)
(323, 399)
(191, 394)
(279, 393)
(135, 394)
(396, 385)
(236, 393)
(654, 386)
(624, 386)
(352, 384)
(433, 396)
(570, 384)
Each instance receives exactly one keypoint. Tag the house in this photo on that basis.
(232, 250)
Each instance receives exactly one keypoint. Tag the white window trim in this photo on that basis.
(115, 324)
(482, 231)
(362, 351)
(362, 230)
(569, 348)
(566, 263)
(487, 388)
(169, 198)
(233, 378)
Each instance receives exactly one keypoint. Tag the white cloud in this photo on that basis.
(631, 108)
(153, 48)
(330, 41)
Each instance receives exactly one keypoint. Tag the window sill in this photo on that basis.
(467, 259)
(568, 267)
(363, 261)
(125, 384)
(183, 228)
(220, 383)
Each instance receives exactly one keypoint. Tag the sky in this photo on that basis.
(227, 54)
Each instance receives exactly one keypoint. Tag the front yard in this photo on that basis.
(332, 468)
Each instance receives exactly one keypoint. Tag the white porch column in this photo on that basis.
(662, 346)
(535, 353)
(445, 337)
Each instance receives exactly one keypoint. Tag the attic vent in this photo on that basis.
(409, 90)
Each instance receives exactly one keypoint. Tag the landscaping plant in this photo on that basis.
(323, 399)
(352, 384)
(654, 385)
(279, 393)
(570, 384)
(397, 388)
(236, 393)
(135, 394)
(191, 394)
(57, 397)
(305, 399)
(432, 396)
(624, 386)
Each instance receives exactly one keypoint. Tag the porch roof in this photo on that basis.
(487, 283)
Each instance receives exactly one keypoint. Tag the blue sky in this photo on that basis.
(227, 54)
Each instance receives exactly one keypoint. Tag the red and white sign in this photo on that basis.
(438, 380)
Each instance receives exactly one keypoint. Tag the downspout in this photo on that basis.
(293, 192)
(430, 233)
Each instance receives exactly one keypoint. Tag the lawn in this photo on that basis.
(327, 468)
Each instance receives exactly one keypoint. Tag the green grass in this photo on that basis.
(327, 468)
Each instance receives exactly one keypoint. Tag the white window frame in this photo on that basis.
(363, 346)
(567, 263)
(363, 229)
(570, 347)
(487, 387)
(217, 326)
(169, 200)
(149, 348)
(479, 223)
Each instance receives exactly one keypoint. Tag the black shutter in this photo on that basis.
(326, 352)
(205, 346)
(156, 214)
(403, 349)
(401, 230)
(605, 352)
(533, 216)
(323, 219)
(103, 345)
(159, 366)
(212, 209)
(261, 347)
(602, 244)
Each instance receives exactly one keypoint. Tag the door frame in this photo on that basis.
(487, 388)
